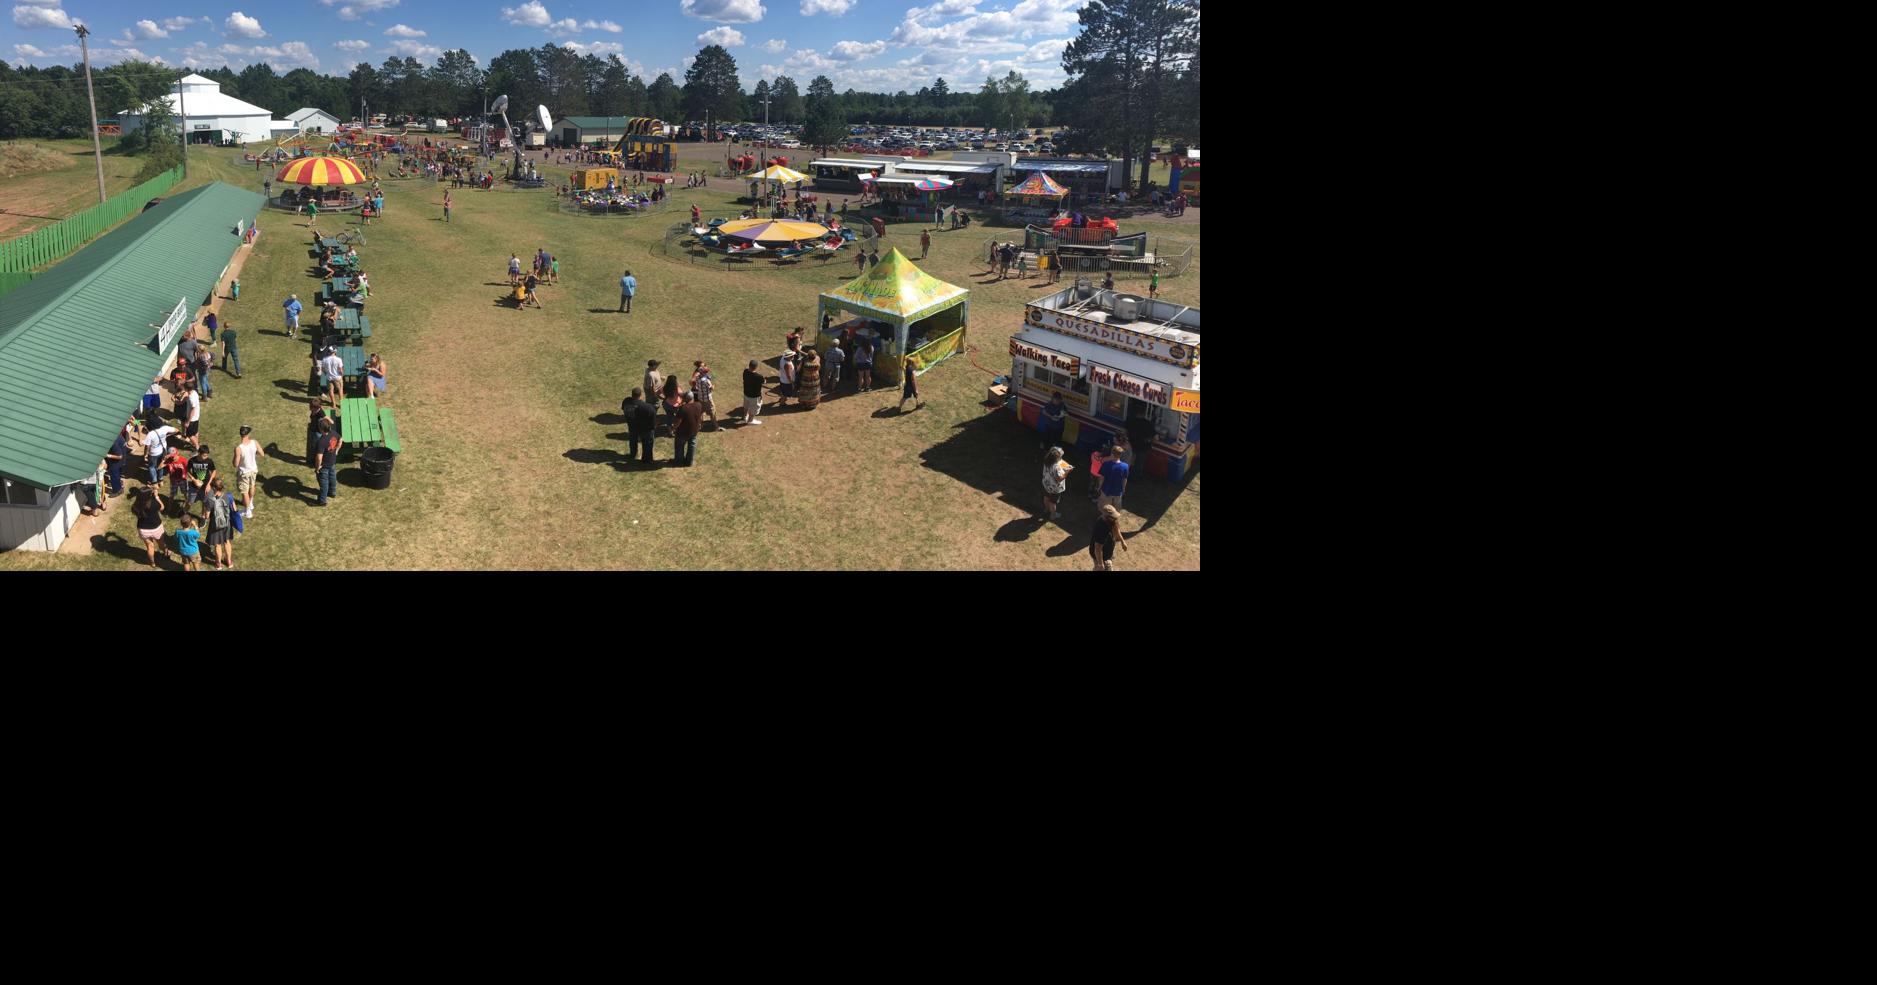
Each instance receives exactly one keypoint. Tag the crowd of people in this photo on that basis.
(177, 459)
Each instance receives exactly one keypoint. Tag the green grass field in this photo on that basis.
(26, 200)
(514, 448)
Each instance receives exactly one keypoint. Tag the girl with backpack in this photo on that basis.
(220, 511)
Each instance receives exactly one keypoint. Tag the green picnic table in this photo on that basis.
(353, 356)
(331, 242)
(342, 262)
(336, 288)
(362, 423)
(353, 324)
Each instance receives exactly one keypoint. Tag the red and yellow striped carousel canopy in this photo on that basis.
(321, 171)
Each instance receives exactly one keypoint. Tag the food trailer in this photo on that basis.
(843, 174)
(1125, 365)
(912, 317)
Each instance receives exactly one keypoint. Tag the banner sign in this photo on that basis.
(1186, 401)
(936, 351)
(1151, 346)
(1064, 364)
(177, 319)
(1119, 382)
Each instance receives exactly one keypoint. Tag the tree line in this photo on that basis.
(1133, 80)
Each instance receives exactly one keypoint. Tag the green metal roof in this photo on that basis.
(75, 352)
(594, 122)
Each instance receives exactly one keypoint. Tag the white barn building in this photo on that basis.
(212, 115)
(310, 118)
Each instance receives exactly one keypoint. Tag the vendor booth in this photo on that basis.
(913, 318)
(843, 174)
(908, 198)
(1038, 191)
(1123, 365)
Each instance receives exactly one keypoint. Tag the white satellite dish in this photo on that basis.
(547, 122)
(501, 105)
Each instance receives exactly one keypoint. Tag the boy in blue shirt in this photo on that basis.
(1114, 478)
(628, 286)
(189, 540)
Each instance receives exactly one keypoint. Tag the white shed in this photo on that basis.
(211, 114)
(317, 120)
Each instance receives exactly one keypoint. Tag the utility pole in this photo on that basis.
(97, 149)
(182, 106)
(766, 109)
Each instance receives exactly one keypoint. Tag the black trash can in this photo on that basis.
(376, 463)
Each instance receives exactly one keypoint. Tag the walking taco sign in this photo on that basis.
(1165, 345)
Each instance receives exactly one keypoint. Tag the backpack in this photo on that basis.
(219, 512)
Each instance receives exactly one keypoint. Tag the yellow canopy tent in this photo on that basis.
(903, 297)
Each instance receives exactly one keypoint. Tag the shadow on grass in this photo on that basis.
(608, 418)
(618, 460)
(116, 546)
(289, 487)
(996, 456)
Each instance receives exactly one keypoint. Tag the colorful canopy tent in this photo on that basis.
(321, 171)
(772, 230)
(1039, 189)
(925, 317)
(933, 184)
(780, 174)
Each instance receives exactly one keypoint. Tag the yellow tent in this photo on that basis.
(778, 174)
(901, 295)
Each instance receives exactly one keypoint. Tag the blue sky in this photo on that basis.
(871, 45)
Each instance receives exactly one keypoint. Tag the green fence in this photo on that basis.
(56, 242)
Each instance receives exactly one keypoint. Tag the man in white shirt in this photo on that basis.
(334, 369)
(155, 446)
(190, 406)
(248, 455)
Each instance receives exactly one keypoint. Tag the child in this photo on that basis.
(201, 470)
(176, 464)
(1094, 475)
(189, 540)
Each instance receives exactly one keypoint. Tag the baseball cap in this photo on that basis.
(247, 428)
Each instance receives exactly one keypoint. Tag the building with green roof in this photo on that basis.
(81, 343)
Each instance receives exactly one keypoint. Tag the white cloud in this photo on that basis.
(774, 46)
(944, 8)
(563, 27)
(687, 60)
(725, 11)
(852, 51)
(41, 3)
(1046, 51)
(41, 17)
(599, 48)
(149, 29)
(240, 25)
(726, 36)
(530, 14)
(354, 9)
(295, 54)
(418, 50)
(836, 7)
(30, 51)
(177, 23)
(354, 46)
(403, 31)
(592, 25)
